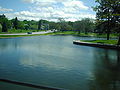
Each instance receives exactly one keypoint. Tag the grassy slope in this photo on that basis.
(102, 41)
(83, 34)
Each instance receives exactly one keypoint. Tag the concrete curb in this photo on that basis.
(33, 33)
(106, 46)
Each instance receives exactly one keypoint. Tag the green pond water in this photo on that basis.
(54, 61)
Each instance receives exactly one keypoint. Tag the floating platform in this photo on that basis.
(100, 45)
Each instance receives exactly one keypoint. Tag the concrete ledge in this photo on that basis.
(30, 85)
(107, 46)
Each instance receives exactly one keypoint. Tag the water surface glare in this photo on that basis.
(56, 62)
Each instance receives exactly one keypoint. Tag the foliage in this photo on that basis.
(39, 24)
(15, 23)
(86, 25)
(4, 23)
(63, 25)
(4, 27)
(108, 15)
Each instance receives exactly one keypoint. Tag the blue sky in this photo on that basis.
(70, 10)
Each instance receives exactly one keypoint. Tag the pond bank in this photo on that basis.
(100, 45)
(9, 35)
(25, 34)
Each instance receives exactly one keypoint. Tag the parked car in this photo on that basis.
(29, 32)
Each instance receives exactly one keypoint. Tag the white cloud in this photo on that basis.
(26, 13)
(22, 16)
(28, 1)
(75, 4)
(5, 9)
(38, 1)
(53, 9)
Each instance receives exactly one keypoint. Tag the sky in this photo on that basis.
(70, 10)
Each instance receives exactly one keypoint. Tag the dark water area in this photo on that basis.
(56, 62)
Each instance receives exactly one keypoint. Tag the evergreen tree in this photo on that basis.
(39, 24)
(4, 23)
(15, 23)
(4, 27)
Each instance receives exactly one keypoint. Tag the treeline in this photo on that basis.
(16, 24)
(85, 25)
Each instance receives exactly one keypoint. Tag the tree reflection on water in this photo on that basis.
(106, 73)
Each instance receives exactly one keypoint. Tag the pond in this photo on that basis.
(54, 61)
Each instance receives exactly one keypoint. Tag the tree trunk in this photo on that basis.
(108, 27)
(79, 32)
(118, 40)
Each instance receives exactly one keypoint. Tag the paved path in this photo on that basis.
(42, 32)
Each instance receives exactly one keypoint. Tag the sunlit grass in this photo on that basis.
(102, 41)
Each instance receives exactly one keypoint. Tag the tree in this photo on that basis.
(39, 24)
(21, 25)
(63, 25)
(4, 23)
(108, 11)
(88, 25)
(4, 27)
(15, 23)
(103, 13)
(85, 25)
(78, 26)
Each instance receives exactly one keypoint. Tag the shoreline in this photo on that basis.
(14, 35)
(99, 45)
(25, 34)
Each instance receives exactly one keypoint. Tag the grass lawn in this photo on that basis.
(114, 42)
(83, 34)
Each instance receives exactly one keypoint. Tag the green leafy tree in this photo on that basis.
(78, 26)
(85, 25)
(21, 25)
(63, 25)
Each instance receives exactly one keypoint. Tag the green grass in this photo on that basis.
(64, 33)
(74, 33)
(114, 42)
(83, 34)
